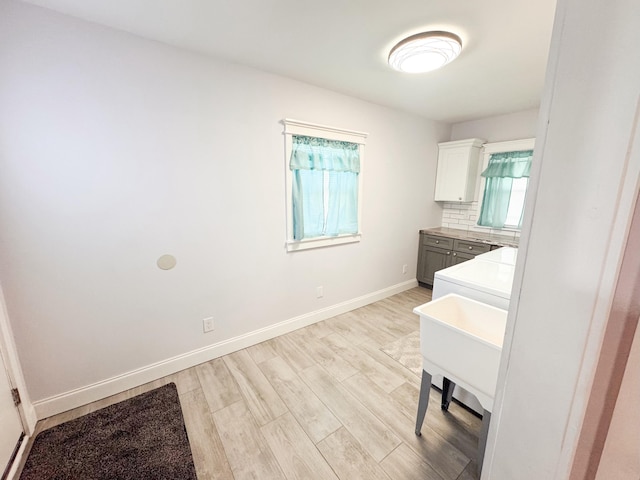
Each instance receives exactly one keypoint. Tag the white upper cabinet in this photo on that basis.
(457, 173)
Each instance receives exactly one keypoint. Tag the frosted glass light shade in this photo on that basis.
(424, 52)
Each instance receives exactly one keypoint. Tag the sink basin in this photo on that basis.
(461, 339)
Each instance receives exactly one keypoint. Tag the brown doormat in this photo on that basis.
(143, 437)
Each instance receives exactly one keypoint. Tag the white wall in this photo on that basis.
(585, 181)
(115, 150)
(500, 128)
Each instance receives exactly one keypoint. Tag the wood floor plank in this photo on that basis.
(404, 463)
(400, 312)
(366, 324)
(469, 473)
(381, 375)
(296, 454)
(185, 380)
(381, 357)
(401, 306)
(344, 325)
(443, 457)
(348, 458)
(337, 366)
(249, 455)
(262, 352)
(293, 353)
(218, 385)
(382, 319)
(376, 438)
(314, 417)
(457, 426)
(405, 397)
(261, 398)
(320, 329)
(208, 453)
(397, 314)
(421, 294)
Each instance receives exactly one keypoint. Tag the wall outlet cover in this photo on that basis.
(207, 324)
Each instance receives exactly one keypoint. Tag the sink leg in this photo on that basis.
(482, 442)
(423, 400)
(447, 392)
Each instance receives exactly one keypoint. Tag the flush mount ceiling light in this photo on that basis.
(424, 52)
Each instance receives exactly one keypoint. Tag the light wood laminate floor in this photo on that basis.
(323, 402)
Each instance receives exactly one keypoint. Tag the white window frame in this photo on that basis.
(488, 150)
(298, 127)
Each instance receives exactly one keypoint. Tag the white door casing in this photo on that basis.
(10, 424)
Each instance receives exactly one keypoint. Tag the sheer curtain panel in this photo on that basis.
(325, 187)
(499, 175)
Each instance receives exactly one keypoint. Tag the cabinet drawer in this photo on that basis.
(474, 248)
(434, 241)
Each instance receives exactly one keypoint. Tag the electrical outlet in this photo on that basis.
(319, 292)
(207, 324)
(404, 268)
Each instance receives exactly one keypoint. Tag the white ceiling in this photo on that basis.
(342, 45)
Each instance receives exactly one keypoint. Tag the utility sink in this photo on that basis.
(461, 339)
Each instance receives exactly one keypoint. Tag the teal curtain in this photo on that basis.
(308, 203)
(499, 175)
(313, 159)
(342, 217)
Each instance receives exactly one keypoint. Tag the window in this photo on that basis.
(505, 178)
(324, 185)
(516, 203)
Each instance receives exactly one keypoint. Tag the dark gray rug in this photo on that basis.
(143, 437)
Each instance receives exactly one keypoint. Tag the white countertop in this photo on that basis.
(487, 276)
(507, 255)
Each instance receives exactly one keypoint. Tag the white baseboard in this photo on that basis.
(97, 391)
(29, 416)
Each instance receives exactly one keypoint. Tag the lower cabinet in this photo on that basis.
(437, 252)
(430, 260)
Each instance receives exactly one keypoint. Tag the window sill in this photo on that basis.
(295, 245)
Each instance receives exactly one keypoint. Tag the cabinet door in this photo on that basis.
(433, 259)
(452, 175)
(457, 257)
(457, 171)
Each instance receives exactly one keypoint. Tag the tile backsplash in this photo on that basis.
(464, 216)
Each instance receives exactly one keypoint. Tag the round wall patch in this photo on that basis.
(166, 262)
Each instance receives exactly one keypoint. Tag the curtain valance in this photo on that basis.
(313, 153)
(509, 165)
